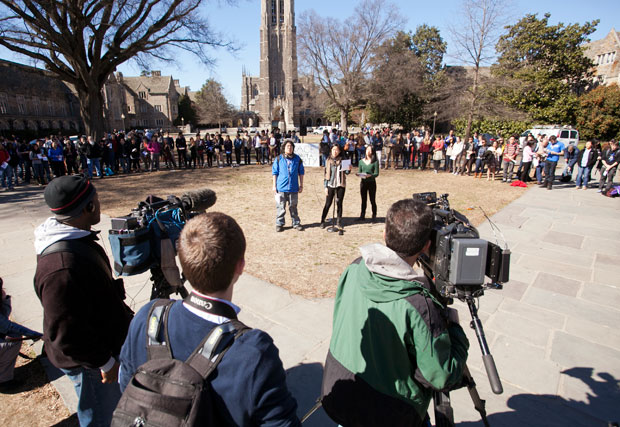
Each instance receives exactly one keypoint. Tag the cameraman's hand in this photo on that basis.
(111, 376)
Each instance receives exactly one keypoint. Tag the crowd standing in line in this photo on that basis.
(481, 155)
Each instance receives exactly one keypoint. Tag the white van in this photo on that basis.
(566, 134)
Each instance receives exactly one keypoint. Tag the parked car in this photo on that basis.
(320, 129)
(253, 130)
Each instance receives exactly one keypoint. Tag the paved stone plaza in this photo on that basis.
(552, 330)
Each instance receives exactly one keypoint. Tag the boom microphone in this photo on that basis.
(198, 200)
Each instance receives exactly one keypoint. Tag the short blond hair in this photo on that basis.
(210, 247)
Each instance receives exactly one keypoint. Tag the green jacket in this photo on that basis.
(391, 344)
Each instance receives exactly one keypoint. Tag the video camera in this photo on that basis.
(146, 238)
(459, 259)
(458, 262)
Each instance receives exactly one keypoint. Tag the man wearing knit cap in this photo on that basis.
(288, 180)
(85, 320)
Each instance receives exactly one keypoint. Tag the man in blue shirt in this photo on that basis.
(249, 384)
(288, 180)
(554, 150)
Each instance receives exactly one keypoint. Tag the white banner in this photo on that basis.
(309, 153)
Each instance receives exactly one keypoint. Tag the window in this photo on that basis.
(63, 109)
(275, 89)
(564, 134)
(142, 94)
(158, 108)
(50, 107)
(273, 12)
(574, 134)
(143, 107)
(281, 11)
(4, 103)
(145, 123)
(36, 105)
(159, 122)
(283, 93)
(174, 108)
(129, 108)
(21, 104)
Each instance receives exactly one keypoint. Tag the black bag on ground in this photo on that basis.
(167, 392)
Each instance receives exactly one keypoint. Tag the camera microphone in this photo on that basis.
(198, 200)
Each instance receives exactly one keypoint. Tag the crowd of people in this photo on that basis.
(481, 156)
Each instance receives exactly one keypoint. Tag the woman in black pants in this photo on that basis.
(368, 185)
(334, 179)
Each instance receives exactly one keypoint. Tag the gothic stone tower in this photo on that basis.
(278, 64)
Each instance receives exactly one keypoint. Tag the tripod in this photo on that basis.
(162, 288)
(444, 416)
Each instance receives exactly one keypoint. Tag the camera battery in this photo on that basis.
(124, 223)
(468, 261)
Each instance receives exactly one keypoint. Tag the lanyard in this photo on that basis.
(210, 306)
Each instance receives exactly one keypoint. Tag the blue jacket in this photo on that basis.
(287, 171)
(249, 381)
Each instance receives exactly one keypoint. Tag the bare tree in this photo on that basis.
(339, 53)
(82, 42)
(475, 36)
(212, 105)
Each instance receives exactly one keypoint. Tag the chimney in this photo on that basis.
(156, 73)
(176, 83)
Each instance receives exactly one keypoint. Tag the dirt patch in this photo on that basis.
(309, 262)
(35, 401)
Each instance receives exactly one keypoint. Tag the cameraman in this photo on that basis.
(85, 320)
(392, 342)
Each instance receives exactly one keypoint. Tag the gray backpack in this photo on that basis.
(167, 392)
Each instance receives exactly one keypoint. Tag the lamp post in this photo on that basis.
(123, 119)
(434, 119)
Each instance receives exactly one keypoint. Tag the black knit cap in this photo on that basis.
(68, 195)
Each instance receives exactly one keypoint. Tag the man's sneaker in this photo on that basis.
(599, 191)
(578, 187)
(298, 227)
(279, 228)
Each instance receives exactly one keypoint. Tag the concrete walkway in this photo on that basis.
(552, 330)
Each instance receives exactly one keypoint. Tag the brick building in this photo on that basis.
(605, 53)
(142, 102)
(34, 100)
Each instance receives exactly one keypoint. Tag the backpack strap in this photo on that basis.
(214, 346)
(79, 248)
(158, 317)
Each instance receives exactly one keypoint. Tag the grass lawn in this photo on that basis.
(309, 262)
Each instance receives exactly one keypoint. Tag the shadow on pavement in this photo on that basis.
(600, 409)
(304, 382)
(72, 421)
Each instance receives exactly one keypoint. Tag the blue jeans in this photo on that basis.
(539, 171)
(6, 176)
(96, 401)
(550, 172)
(96, 162)
(582, 177)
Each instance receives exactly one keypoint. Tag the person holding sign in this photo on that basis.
(334, 180)
(368, 171)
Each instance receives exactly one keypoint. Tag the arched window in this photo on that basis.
(283, 93)
(275, 89)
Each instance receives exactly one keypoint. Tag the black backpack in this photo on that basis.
(167, 392)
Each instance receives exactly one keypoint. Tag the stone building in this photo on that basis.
(273, 95)
(142, 102)
(605, 53)
(35, 100)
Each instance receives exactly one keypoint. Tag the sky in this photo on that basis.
(241, 23)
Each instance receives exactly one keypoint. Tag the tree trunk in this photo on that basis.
(91, 110)
(344, 116)
(472, 105)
